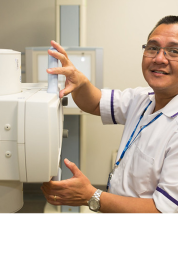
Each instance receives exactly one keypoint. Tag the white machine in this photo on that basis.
(31, 131)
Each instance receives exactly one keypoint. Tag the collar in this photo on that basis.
(171, 109)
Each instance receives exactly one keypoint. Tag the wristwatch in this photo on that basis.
(94, 202)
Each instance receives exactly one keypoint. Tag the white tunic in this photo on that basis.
(149, 168)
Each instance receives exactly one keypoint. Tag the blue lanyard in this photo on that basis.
(130, 141)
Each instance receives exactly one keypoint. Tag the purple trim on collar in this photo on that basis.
(167, 195)
(174, 115)
(151, 93)
(112, 107)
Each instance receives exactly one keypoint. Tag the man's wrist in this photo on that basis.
(90, 193)
(94, 201)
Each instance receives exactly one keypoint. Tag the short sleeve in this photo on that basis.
(166, 193)
(115, 104)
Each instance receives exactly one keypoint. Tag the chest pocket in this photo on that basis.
(140, 172)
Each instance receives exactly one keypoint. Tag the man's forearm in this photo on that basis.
(87, 98)
(111, 203)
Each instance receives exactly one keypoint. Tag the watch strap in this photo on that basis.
(95, 197)
(97, 194)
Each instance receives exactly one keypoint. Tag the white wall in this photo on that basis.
(119, 26)
(25, 23)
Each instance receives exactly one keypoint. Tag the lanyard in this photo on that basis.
(130, 141)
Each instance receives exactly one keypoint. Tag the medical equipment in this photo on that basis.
(71, 26)
(36, 62)
(52, 79)
(31, 131)
(88, 60)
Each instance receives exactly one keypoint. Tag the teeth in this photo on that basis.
(160, 72)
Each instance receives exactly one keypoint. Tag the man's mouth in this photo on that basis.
(160, 72)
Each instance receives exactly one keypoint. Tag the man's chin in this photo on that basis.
(158, 86)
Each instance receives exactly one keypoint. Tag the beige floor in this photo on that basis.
(57, 209)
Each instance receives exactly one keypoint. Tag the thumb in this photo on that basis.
(68, 89)
(72, 167)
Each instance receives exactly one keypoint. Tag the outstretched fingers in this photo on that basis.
(67, 71)
(59, 48)
(58, 55)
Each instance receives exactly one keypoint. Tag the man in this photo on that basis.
(145, 177)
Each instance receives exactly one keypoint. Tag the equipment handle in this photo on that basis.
(52, 79)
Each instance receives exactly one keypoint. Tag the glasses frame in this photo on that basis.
(164, 48)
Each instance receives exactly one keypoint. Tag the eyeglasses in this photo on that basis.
(171, 53)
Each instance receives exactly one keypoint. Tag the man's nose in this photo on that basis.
(161, 57)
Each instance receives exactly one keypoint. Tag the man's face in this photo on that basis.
(166, 80)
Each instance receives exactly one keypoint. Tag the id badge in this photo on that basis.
(109, 180)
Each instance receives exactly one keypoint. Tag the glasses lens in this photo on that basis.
(172, 53)
(150, 51)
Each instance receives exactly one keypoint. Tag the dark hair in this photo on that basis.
(166, 20)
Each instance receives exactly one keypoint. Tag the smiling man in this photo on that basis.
(145, 175)
(160, 63)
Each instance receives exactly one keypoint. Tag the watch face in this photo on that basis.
(94, 204)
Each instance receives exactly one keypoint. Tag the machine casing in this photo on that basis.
(31, 126)
(31, 129)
